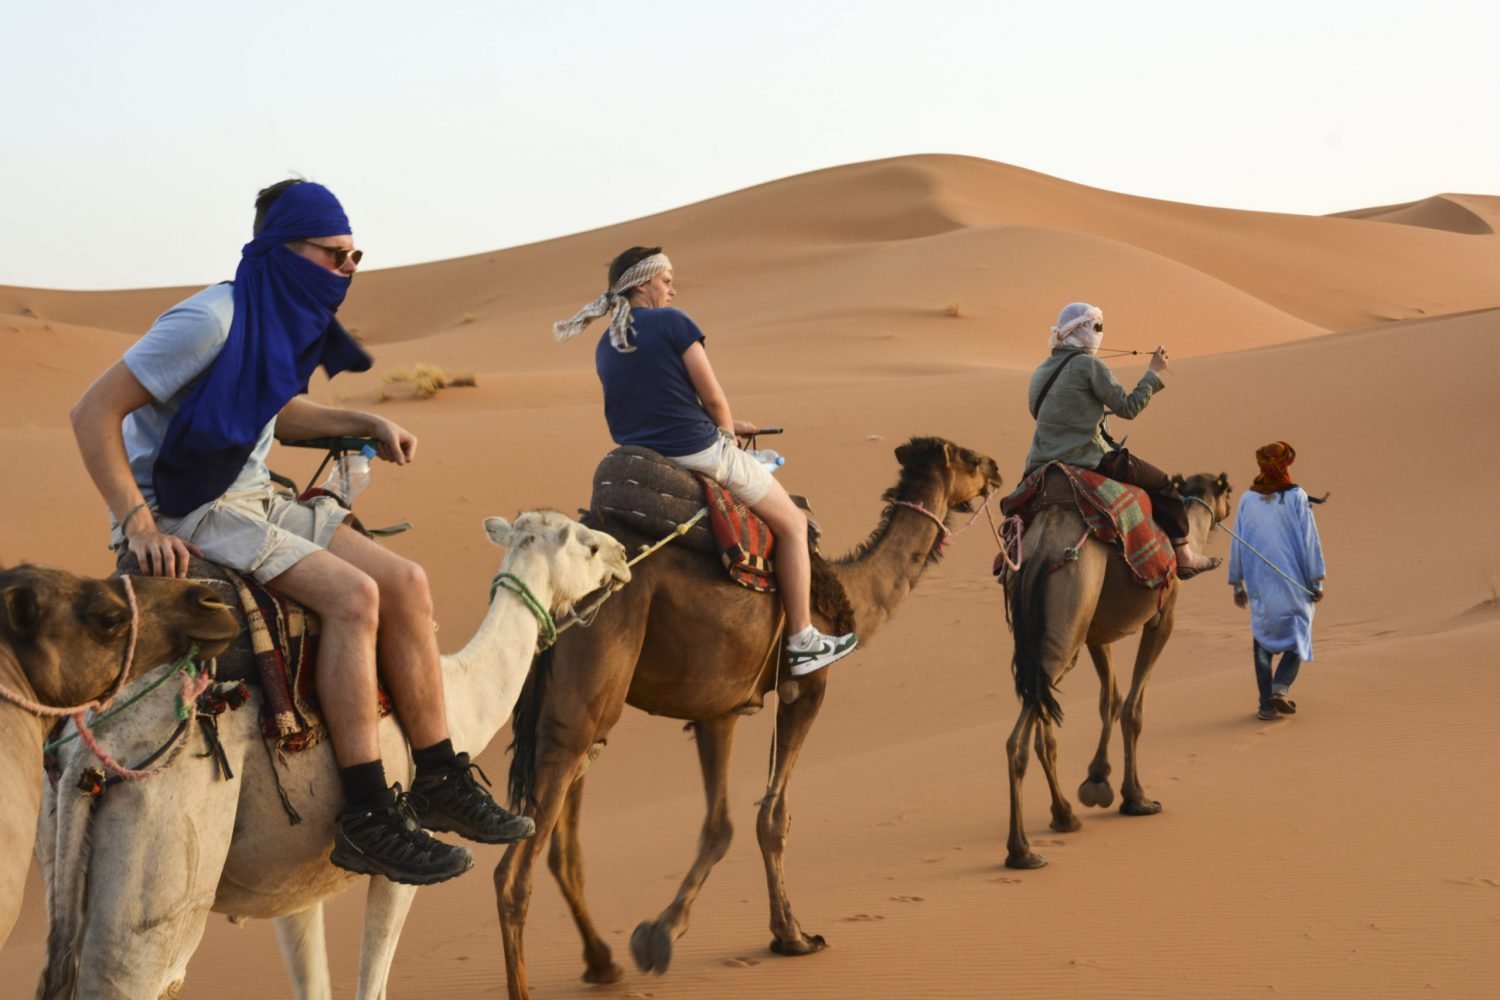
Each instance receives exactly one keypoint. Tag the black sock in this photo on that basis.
(364, 785)
(434, 759)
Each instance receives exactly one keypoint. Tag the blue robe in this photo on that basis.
(1279, 526)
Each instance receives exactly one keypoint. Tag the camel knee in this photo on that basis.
(717, 837)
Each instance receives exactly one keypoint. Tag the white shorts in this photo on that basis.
(731, 467)
(261, 533)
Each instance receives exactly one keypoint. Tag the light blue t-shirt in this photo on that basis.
(168, 361)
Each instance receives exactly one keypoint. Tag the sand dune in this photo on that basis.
(1446, 212)
(1342, 852)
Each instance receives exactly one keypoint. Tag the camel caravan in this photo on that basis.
(289, 725)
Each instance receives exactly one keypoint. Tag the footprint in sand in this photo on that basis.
(1007, 880)
(907, 899)
(740, 963)
(862, 918)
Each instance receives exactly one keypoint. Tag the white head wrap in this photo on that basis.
(1075, 327)
(615, 303)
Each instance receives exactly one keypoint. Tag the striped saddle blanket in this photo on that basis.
(1115, 512)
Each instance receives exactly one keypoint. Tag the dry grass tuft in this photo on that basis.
(424, 381)
(953, 309)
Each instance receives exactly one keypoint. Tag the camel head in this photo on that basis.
(1212, 490)
(580, 559)
(961, 473)
(69, 633)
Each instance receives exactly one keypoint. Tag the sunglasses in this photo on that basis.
(1098, 327)
(339, 254)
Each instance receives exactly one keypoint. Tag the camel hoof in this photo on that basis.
(651, 947)
(610, 973)
(1144, 807)
(1096, 793)
(1066, 824)
(807, 944)
(1025, 862)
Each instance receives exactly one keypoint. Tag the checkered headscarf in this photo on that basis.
(615, 303)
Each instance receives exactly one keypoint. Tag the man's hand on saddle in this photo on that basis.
(393, 442)
(159, 554)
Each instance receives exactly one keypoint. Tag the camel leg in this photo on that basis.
(386, 906)
(1063, 818)
(651, 944)
(1154, 638)
(301, 938)
(566, 861)
(555, 771)
(1018, 849)
(1096, 790)
(773, 821)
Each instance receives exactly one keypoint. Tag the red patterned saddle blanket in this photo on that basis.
(1115, 512)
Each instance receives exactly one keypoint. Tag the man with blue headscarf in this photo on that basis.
(175, 436)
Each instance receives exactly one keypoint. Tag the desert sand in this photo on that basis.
(1349, 850)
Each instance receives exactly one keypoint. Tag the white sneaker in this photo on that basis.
(821, 651)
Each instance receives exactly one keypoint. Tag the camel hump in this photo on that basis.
(639, 490)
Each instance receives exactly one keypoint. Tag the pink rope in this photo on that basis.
(946, 536)
(110, 764)
(54, 712)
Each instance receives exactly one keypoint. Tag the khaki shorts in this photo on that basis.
(731, 467)
(262, 533)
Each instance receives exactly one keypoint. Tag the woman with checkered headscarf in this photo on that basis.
(660, 392)
(1071, 392)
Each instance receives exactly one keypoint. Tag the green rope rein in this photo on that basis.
(517, 586)
(189, 662)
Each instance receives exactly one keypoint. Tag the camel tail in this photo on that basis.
(1028, 623)
(523, 725)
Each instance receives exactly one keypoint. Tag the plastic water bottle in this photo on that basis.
(350, 474)
(770, 459)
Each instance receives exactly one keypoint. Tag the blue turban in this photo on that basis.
(283, 328)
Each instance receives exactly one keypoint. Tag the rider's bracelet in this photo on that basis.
(133, 512)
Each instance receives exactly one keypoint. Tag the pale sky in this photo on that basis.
(133, 135)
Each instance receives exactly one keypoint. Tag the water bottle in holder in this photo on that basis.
(350, 474)
(770, 459)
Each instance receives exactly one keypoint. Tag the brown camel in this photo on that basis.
(1057, 605)
(63, 641)
(683, 641)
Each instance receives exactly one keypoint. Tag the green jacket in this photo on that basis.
(1067, 428)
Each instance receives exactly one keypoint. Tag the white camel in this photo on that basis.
(155, 857)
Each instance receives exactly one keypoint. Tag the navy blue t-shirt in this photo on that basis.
(649, 400)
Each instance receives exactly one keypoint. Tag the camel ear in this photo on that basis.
(499, 530)
(1223, 481)
(22, 616)
(901, 451)
(1177, 484)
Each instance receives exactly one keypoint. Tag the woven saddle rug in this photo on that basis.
(1116, 513)
(640, 490)
(277, 652)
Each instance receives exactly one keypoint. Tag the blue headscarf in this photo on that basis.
(283, 328)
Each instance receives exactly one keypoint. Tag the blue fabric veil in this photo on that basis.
(283, 328)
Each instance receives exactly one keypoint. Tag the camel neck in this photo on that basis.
(879, 576)
(482, 681)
